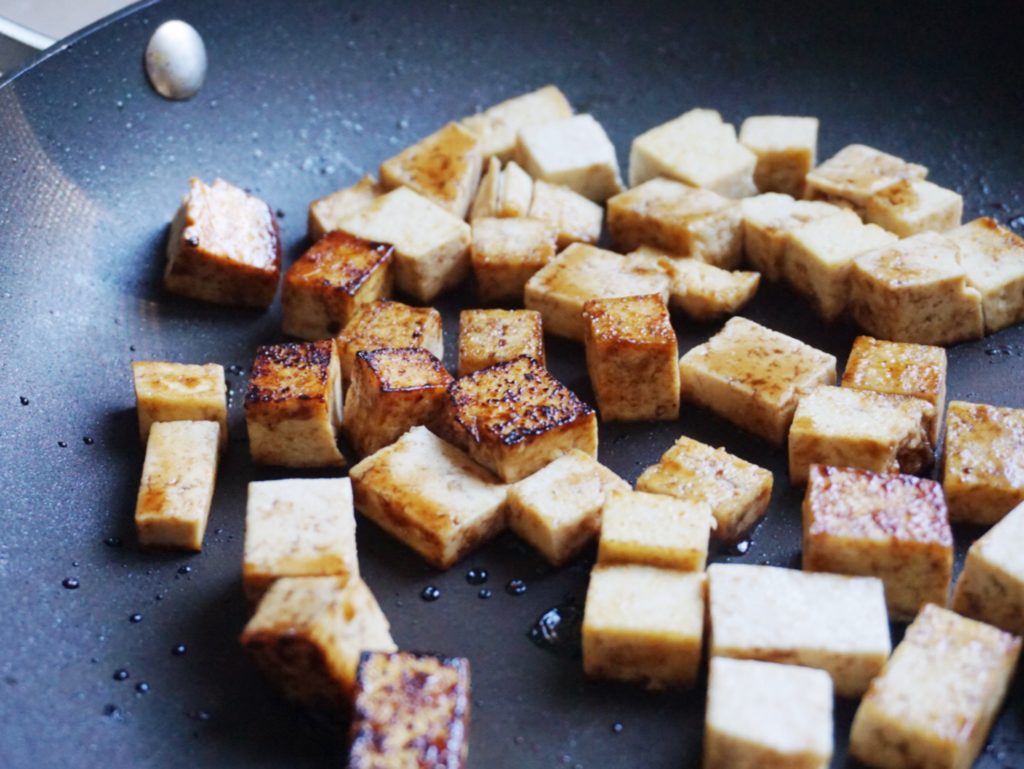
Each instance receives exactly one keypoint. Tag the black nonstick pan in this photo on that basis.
(301, 99)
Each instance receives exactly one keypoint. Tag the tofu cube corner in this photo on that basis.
(575, 218)
(172, 392)
(326, 213)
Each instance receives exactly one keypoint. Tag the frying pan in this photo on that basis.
(301, 99)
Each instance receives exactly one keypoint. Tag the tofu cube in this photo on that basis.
(502, 193)
(644, 625)
(632, 354)
(293, 405)
(224, 247)
(576, 219)
(326, 285)
(937, 697)
(857, 173)
(768, 221)
(410, 710)
(308, 633)
(894, 527)
(506, 253)
(431, 496)
(762, 714)
(993, 258)
(786, 149)
(753, 376)
(983, 459)
(431, 244)
(819, 255)
(581, 273)
(392, 390)
(298, 527)
(325, 214)
(486, 202)
(698, 149)
(173, 392)
(737, 491)
(991, 585)
(912, 206)
(514, 418)
(654, 530)
(498, 126)
(176, 490)
(899, 368)
(574, 152)
(487, 337)
(557, 510)
(388, 324)
(679, 219)
(916, 290)
(827, 621)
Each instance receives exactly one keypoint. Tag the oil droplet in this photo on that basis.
(184, 569)
(88, 441)
(112, 542)
(179, 650)
(515, 587)
(120, 675)
(519, 739)
(559, 630)
(485, 593)
(279, 213)
(740, 548)
(135, 618)
(113, 711)
(198, 715)
(430, 593)
(71, 583)
(617, 728)
(62, 444)
(24, 400)
(142, 687)
(477, 576)
(131, 348)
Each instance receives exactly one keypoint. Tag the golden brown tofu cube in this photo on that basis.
(173, 392)
(574, 217)
(894, 527)
(991, 585)
(857, 173)
(993, 257)
(786, 149)
(983, 460)
(654, 530)
(631, 358)
(431, 496)
(326, 285)
(936, 699)
(753, 376)
(293, 405)
(444, 168)
(224, 247)
(178, 476)
(308, 633)
(912, 206)
(505, 253)
(411, 710)
(514, 417)
(388, 324)
(392, 390)
(325, 214)
(487, 337)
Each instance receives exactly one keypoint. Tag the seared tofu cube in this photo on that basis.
(576, 219)
(411, 710)
(557, 510)
(698, 149)
(389, 324)
(487, 337)
(679, 219)
(514, 418)
(654, 530)
(498, 126)
(325, 214)
(172, 392)
(178, 475)
(899, 368)
(224, 247)
(298, 527)
(916, 290)
(644, 625)
(993, 258)
(737, 491)
(937, 697)
(894, 527)
(574, 152)
(392, 390)
(580, 273)
(308, 633)
(753, 376)
(786, 149)
(820, 254)
(632, 358)
(768, 221)
(431, 496)
(827, 621)
(762, 714)
(857, 173)
(326, 285)
(991, 585)
(983, 460)
(293, 405)
(505, 253)
(915, 205)
(431, 244)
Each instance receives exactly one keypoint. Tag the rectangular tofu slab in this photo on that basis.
(654, 530)
(937, 697)
(912, 206)
(768, 220)
(836, 623)
(176, 490)
(786, 149)
(487, 337)
(325, 214)
(388, 324)
(173, 392)
(991, 585)
(574, 152)
(575, 218)
(857, 173)
(498, 126)
(506, 253)
(993, 258)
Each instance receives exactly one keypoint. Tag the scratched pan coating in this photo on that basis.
(302, 98)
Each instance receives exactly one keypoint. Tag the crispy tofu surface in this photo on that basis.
(487, 337)
(389, 324)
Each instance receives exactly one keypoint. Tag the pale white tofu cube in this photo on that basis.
(486, 202)
(498, 126)
(993, 258)
(857, 173)
(576, 219)
(915, 205)
(326, 213)
(654, 530)
(516, 191)
(786, 149)
(574, 152)
(767, 222)
(991, 586)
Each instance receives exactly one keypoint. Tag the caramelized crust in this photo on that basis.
(897, 368)
(383, 324)
(340, 262)
(633, 320)
(487, 337)
(857, 172)
(295, 374)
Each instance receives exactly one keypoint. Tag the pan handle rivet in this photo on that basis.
(176, 60)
